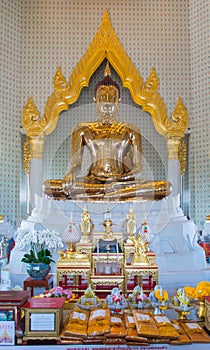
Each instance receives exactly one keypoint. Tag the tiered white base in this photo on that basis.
(180, 259)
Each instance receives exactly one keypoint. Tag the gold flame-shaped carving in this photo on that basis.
(32, 123)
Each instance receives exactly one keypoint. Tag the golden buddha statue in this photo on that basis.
(130, 224)
(115, 149)
(108, 232)
(86, 226)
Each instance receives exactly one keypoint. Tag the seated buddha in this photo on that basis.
(115, 149)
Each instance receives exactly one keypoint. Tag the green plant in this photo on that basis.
(42, 256)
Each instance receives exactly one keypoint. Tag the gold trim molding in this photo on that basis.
(106, 45)
(27, 156)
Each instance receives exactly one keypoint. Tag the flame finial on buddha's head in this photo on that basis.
(107, 81)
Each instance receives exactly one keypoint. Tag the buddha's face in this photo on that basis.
(107, 101)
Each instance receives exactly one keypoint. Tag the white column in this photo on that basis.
(174, 173)
(35, 180)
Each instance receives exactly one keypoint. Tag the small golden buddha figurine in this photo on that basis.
(115, 149)
(108, 233)
(130, 224)
(86, 226)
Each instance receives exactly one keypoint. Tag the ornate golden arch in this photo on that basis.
(105, 44)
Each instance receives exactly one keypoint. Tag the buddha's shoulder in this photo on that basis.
(133, 127)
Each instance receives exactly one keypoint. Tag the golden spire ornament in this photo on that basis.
(107, 71)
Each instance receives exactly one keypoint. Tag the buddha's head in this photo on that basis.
(107, 96)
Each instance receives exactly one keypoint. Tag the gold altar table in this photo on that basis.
(140, 273)
(74, 272)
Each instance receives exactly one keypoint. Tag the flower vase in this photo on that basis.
(38, 271)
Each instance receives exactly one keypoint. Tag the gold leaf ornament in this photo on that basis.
(32, 123)
(182, 155)
(151, 85)
(60, 82)
(27, 156)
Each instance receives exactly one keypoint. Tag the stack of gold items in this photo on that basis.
(195, 332)
(131, 327)
(145, 324)
(92, 324)
(118, 329)
(99, 322)
(132, 336)
(165, 328)
(76, 328)
(183, 337)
